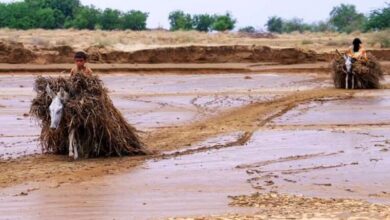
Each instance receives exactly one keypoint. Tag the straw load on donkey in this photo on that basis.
(79, 119)
(349, 73)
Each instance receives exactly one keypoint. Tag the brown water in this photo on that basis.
(326, 148)
(147, 101)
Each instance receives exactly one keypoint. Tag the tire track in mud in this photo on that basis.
(286, 159)
(246, 119)
(262, 179)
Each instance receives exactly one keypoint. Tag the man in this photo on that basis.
(80, 59)
(357, 51)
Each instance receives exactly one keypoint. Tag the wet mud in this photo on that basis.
(215, 136)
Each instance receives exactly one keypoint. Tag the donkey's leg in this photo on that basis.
(76, 153)
(346, 81)
(353, 81)
(71, 143)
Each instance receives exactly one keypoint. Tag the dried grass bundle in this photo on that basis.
(367, 74)
(100, 129)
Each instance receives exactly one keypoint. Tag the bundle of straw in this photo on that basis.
(100, 129)
(367, 74)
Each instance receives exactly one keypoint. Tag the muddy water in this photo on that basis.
(147, 101)
(352, 139)
(188, 185)
(333, 160)
(369, 107)
(298, 152)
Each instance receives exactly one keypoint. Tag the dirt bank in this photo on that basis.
(17, 53)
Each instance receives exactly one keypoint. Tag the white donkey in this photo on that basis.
(349, 72)
(56, 110)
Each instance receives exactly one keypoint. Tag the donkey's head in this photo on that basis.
(348, 63)
(57, 106)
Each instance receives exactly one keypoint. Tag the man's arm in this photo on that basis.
(88, 71)
(72, 71)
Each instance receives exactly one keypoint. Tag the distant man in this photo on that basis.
(357, 51)
(80, 59)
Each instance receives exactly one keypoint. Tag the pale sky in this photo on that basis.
(247, 12)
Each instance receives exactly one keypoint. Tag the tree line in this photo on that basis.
(179, 20)
(342, 18)
(57, 14)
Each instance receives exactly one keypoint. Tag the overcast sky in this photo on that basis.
(247, 12)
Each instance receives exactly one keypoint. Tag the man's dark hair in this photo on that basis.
(356, 44)
(80, 55)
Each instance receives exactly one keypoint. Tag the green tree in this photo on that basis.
(180, 21)
(110, 19)
(295, 24)
(203, 22)
(345, 18)
(134, 20)
(275, 24)
(379, 19)
(86, 17)
(19, 16)
(45, 18)
(4, 15)
(224, 22)
(66, 7)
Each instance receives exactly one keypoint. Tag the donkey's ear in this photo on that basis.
(63, 95)
(49, 92)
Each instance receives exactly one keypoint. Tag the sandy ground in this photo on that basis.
(137, 40)
(216, 136)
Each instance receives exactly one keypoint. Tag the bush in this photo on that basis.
(180, 21)
(86, 18)
(110, 19)
(224, 22)
(248, 29)
(275, 24)
(203, 22)
(134, 20)
(294, 24)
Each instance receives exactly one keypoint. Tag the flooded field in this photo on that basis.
(147, 101)
(217, 135)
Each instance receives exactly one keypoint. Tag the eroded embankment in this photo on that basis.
(247, 119)
(18, 53)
